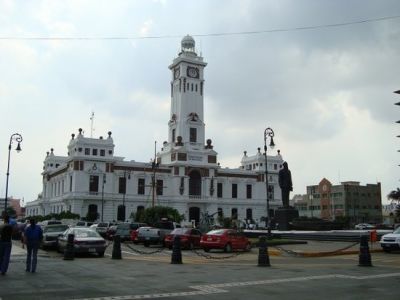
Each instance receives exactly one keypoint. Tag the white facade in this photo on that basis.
(187, 175)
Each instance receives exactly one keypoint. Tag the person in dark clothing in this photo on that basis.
(285, 183)
(33, 237)
(5, 245)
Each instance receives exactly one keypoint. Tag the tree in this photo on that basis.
(394, 195)
(153, 215)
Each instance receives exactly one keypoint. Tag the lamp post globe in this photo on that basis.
(18, 138)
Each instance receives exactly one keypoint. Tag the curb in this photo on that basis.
(322, 254)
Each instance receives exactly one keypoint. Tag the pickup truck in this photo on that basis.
(156, 234)
(391, 241)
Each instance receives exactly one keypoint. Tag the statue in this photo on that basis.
(285, 183)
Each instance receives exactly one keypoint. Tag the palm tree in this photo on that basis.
(394, 195)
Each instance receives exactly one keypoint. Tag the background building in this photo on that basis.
(185, 173)
(349, 199)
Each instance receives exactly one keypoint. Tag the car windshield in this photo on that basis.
(397, 230)
(54, 228)
(82, 233)
(216, 232)
(181, 231)
(123, 226)
(102, 225)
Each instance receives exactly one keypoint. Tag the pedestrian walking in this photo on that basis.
(33, 237)
(5, 245)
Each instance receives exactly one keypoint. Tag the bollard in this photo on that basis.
(176, 257)
(69, 252)
(364, 256)
(263, 257)
(116, 253)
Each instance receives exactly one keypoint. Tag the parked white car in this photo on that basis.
(391, 241)
(364, 226)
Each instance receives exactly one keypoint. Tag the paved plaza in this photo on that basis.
(219, 276)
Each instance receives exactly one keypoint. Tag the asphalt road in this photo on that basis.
(151, 276)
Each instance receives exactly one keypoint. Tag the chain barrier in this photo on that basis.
(144, 252)
(299, 254)
(208, 256)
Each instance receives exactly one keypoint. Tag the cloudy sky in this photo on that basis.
(327, 92)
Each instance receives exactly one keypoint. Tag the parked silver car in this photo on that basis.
(86, 240)
(51, 233)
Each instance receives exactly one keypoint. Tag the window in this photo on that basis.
(248, 191)
(94, 152)
(102, 152)
(94, 183)
(220, 212)
(193, 135)
(87, 151)
(173, 135)
(234, 190)
(160, 187)
(271, 192)
(141, 186)
(219, 190)
(70, 183)
(249, 214)
(122, 185)
(234, 214)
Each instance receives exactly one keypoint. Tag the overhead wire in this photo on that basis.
(311, 27)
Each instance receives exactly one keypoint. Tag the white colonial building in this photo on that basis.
(186, 174)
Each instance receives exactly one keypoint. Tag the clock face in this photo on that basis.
(176, 73)
(193, 72)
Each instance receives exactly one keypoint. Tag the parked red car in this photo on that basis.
(190, 238)
(227, 239)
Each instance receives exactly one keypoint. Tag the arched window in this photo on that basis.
(195, 183)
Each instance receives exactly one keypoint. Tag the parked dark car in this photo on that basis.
(86, 240)
(226, 239)
(124, 230)
(51, 233)
(190, 238)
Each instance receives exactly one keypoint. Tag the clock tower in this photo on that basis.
(186, 135)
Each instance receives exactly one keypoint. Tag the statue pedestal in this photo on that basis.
(283, 216)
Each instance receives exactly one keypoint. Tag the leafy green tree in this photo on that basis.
(153, 215)
(394, 195)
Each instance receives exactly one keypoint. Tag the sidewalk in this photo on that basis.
(17, 250)
(326, 248)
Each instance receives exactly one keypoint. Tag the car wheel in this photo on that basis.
(101, 254)
(387, 250)
(206, 250)
(228, 248)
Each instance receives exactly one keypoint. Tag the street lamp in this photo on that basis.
(18, 138)
(102, 197)
(268, 133)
